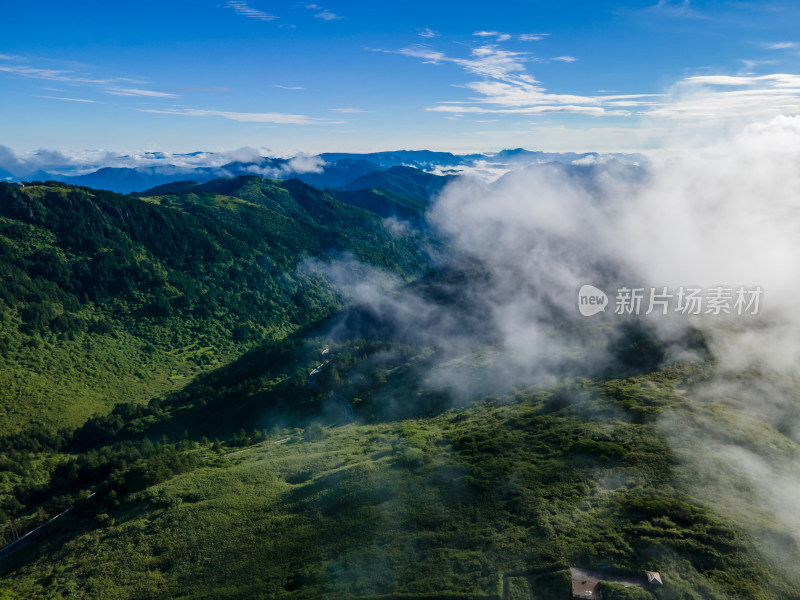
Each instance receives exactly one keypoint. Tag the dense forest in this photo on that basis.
(109, 298)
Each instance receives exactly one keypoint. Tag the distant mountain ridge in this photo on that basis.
(327, 170)
(407, 181)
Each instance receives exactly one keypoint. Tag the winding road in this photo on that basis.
(349, 414)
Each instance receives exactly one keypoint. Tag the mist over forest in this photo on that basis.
(453, 302)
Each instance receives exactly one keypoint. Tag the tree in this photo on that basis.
(313, 433)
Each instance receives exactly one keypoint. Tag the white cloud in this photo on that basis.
(242, 8)
(499, 36)
(327, 15)
(506, 87)
(324, 13)
(246, 117)
(527, 110)
(245, 154)
(26, 164)
(139, 92)
(481, 170)
(718, 80)
(486, 61)
(782, 46)
(53, 75)
(289, 87)
(71, 77)
(713, 98)
(680, 9)
(68, 99)
(305, 163)
(532, 37)
(298, 164)
(752, 64)
(428, 33)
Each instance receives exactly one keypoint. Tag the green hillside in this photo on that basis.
(108, 298)
(508, 492)
(162, 382)
(385, 203)
(406, 181)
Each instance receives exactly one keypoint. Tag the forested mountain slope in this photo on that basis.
(108, 298)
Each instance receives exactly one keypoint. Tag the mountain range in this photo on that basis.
(252, 387)
(327, 170)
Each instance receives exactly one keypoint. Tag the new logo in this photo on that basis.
(591, 300)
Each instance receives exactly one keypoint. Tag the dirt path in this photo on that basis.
(584, 582)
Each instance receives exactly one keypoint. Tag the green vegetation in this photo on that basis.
(108, 298)
(385, 203)
(155, 356)
(448, 506)
(615, 591)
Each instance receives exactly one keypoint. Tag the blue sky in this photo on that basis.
(178, 76)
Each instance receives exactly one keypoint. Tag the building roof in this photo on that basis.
(654, 578)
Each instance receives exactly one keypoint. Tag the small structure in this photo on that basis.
(653, 578)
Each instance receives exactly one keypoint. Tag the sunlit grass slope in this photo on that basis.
(442, 507)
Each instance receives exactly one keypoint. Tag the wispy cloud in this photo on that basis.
(242, 8)
(486, 61)
(507, 88)
(526, 110)
(681, 9)
(499, 36)
(504, 37)
(719, 97)
(112, 85)
(328, 15)
(752, 64)
(428, 33)
(566, 59)
(56, 75)
(68, 99)
(139, 92)
(288, 87)
(247, 117)
(324, 13)
(349, 111)
(532, 37)
(782, 46)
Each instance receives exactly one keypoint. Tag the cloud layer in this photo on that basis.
(727, 214)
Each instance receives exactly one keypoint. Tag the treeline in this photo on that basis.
(64, 248)
(110, 473)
